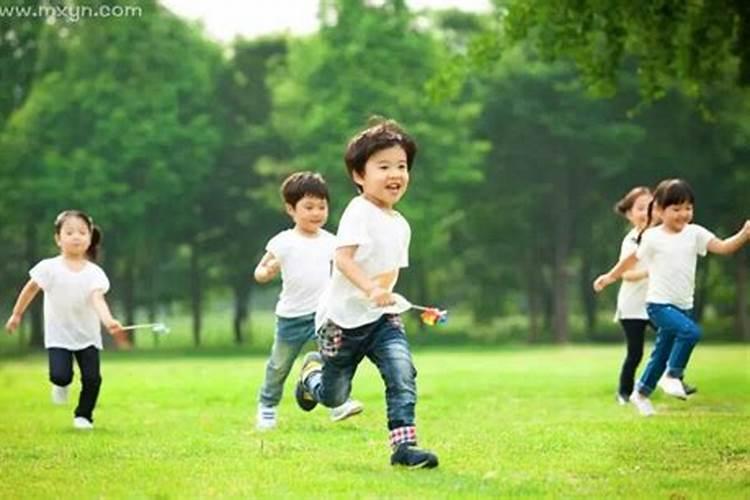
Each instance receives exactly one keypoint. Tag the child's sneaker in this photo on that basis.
(672, 386)
(311, 363)
(59, 394)
(266, 418)
(413, 457)
(643, 404)
(350, 408)
(689, 389)
(622, 399)
(83, 423)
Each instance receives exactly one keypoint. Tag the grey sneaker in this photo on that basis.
(83, 424)
(350, 408)
(673, 387)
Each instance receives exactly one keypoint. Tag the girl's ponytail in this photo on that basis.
(649, 218)
(96, 239)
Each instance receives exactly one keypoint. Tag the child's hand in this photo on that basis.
(114, 327)
(602, 282)
(746, 230)
(381, 297)
(13, 322)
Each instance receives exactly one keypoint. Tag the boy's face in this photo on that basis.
(385, 178)
(74, 237)
(309, 214)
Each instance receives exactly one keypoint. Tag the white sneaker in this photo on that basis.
(350, 408)
(673, 387)
(59, 394)
(266, 418)
(83, 423)
(643, 404)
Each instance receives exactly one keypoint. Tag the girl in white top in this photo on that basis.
(74, 304)
(304, 256)
(670, 251)
(631, 299)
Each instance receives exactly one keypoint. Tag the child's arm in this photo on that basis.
(374, 289)
(267, 268)
(635, 275)
(102, 310)
(27, 294)
(731, 244)
(614, 274)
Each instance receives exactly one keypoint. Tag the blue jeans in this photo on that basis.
(384, 343)
(676, 336)
(291, 336)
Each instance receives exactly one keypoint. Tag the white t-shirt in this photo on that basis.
(70, 320)
(671, 259)
(305, 270)
(631, 299)
(382, 238)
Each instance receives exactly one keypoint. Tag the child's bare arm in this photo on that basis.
(27, 294)
(635, 275)
(102, 310)
(374, 289)
(731, 244)
(614, 274)
(267, 268)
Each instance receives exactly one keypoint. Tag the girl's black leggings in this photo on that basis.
(634, 337)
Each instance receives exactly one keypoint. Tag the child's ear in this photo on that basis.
(289, 209)
(57, 239)
(359, 179)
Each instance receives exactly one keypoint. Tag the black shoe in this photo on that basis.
(312, 362)
(413, 457)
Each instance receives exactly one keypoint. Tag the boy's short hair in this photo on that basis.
(382, 134)
(301, 184)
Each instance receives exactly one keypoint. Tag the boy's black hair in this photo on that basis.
(301, 184)
(381, 134)
(96, 234)
(669, 192)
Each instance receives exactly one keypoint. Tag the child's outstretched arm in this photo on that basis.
(267, 268)
(102, 310)
(614, 274)
(27, 294)
(635, 275)
(374, 290)
(731, 244)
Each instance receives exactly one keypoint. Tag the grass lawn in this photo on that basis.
(511, 422)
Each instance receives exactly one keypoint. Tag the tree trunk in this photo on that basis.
(742, 326)
(587, 295)
(128, 297)
(533, 297)
(196, 293)
(242, 290)
(561, 244)
(36, 339)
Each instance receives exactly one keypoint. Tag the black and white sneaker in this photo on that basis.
(414, 458)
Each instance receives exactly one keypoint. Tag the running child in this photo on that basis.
(352, 322)
(303, 255)
(74, 305)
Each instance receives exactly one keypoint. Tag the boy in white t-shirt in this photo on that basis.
(74, 305)
(303, 254)
(372, 245)
(670, 251)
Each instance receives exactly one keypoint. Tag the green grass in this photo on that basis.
(514, 422)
